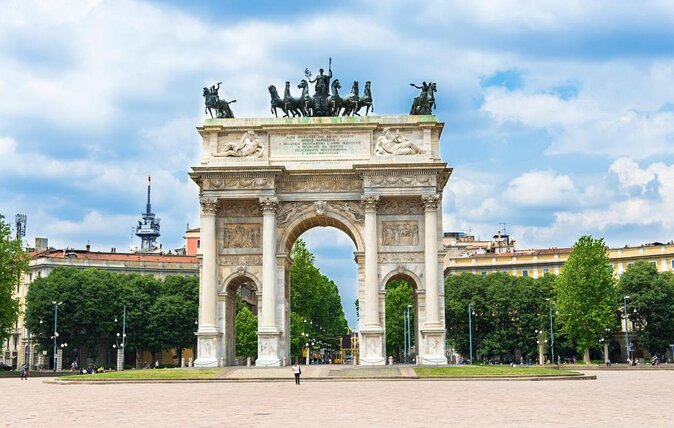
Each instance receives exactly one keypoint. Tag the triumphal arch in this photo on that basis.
(263, 182)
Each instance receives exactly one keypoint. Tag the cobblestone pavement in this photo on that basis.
(616, 398)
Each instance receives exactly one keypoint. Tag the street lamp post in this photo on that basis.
(56, 319)
(407, 335)
(627, 333)
(552, 335)
(121, 346)
(470, 330)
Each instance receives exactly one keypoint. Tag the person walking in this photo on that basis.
(297, 371)
(24, 372)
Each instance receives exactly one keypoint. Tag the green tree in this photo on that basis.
(13, 263)
(399, 295)
(460, 290)
(652, 295)
(585, 294)
(314, 298)
(171, 317)
(90, 304)
(246, 333)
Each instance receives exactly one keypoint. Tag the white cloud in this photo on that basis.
(540, 189)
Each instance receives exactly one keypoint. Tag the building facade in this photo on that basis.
(467, 255)
(19, 349)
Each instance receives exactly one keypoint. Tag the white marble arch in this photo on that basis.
(318, 172)
(227, 311)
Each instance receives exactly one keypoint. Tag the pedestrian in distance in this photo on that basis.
(24, 372)
(297, 371)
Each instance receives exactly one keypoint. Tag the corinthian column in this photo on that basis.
(430, 203)
(369, 203)
(269, 206)
(207, 294)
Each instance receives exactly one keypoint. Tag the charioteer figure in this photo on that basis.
(321, 90)
(213, 102)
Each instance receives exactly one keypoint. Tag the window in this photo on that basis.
(198, 243)
(546, 270)
(525, 272)
(484, 273)
(673, 264)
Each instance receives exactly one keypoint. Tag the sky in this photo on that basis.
(559, 115)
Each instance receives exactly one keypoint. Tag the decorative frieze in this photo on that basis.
(235, 208)
(237, 183)
(401, 257)
(399, 180)
(241, 235)
(400, 206)
(237, 260)
(319, 184)
(400, 232)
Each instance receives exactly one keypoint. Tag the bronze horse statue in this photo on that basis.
(276, 101)
(366, 99)
(335, 100)
(291, 104)
(351, 101)
(425, 102)
(306, 102)
(222, 109)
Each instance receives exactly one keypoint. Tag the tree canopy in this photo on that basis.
(585, 294)
(651, 294)
(13, 263)
(160, 314)
(315, 305)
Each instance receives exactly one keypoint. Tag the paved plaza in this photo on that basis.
(616, 398)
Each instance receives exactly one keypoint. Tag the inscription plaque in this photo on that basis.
(323, 144)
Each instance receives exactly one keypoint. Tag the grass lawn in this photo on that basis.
(149, 374)
(489, 371)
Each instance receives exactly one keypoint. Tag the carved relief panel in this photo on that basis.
(247, 145)
(400, 232)
(242, 235)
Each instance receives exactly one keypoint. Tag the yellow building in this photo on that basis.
(467, 255)
(538, 262)
(18, 348)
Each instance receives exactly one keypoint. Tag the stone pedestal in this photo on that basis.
(372, 347)
(59, 360)
(120, 359)
(207, 349)
(432, 347)
(268, 344)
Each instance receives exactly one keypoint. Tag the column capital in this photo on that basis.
(269, 205)
(209, 206)
(369, 202)
(430, 202)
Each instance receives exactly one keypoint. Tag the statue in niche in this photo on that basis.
(395, 144)
(248, 145)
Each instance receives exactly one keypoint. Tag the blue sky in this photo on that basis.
(559, 114)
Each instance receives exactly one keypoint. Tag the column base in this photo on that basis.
(432, 349)
(207, 349)
(371, 347)
(268, 349)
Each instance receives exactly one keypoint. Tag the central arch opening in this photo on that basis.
(322, 289)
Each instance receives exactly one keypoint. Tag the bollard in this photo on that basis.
(390, 360)
(190, 362)
(284, 361)
(182, 362)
